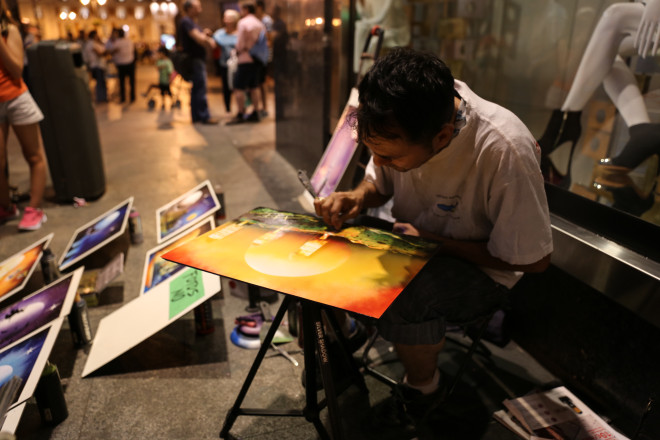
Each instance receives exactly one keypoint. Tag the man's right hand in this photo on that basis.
(339, 207)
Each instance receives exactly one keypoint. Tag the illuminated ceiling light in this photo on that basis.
(63, 15)
(84, 2)
(164, 7)
(336, 22)
(319, 20)
(101, 2)
(173, 8)
(308, 22)
(72, 15)
(125, 28)
(153, 7)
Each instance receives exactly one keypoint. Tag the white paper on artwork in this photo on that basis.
(138, 320)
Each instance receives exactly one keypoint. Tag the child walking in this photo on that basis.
(165, 70)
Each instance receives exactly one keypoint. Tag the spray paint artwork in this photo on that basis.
(359, 269)
(16, 270)
(157, 270)
(339, 152)
(96, 234)
(38, 309)
(186, 211)
(26, 359)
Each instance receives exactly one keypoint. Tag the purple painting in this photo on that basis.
(33, 312)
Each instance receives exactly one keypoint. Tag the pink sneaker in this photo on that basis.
(32, 219)
(9, 213)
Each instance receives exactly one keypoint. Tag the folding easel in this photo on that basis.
(314, 344)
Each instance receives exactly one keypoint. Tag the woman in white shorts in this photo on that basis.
(18, 110)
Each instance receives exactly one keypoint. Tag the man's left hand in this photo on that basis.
(406, 229)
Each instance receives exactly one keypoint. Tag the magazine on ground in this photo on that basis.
(556, 414)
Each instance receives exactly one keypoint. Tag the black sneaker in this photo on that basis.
(238, 119)
(407, 407)
(253, 117)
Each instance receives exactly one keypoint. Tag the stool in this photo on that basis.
(481, 324)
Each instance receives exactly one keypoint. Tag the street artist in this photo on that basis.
(462, 171)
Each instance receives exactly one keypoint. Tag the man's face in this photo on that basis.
(399, 154)
(195, 8)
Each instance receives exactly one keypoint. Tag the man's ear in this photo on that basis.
(443, 137)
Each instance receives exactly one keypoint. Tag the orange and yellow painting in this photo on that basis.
(15, 271)
(358, 269)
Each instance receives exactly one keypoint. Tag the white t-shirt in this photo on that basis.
(125, 53)
(485, 185)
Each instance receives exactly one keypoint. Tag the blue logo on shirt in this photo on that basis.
(447, 208)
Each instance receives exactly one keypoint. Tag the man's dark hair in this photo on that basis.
(261, 4)
(187, 5)
(249, 7)
(411, 90)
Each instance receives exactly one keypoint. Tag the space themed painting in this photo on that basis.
(38, 309)
(185, 211)
(26, 359)
(157, 270)
(97, 233)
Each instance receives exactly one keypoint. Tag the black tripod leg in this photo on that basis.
(314, 312)
(235, 409)
(355, 371)
(312, 409)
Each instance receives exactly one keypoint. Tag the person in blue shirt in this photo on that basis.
(226, 39)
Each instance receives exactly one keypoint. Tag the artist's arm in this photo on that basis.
(11, 53)
(473, 251)
(341, 206)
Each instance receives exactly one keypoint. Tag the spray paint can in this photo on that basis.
(81, 330)
(50, 396)
(204, 318)
(135, 227)
(49, 269)
(220, 214)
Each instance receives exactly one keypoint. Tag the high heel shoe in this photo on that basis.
(626, 196)
(563, 127)
(653, 214)
(644, 142)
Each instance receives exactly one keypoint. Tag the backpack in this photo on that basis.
(259, 52)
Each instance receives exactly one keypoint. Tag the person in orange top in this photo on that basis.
(18, 110)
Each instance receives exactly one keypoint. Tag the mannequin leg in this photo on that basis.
(618, 21)
(599, 63)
